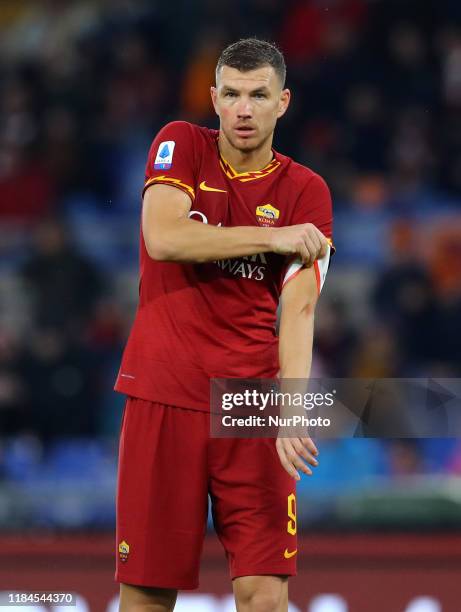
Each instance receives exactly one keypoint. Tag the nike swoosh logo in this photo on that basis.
(288, 555)
(205, 187)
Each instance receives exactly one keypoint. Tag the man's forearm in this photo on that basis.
(170, 235)
(192, 241)
(295, 356)
(295, 344)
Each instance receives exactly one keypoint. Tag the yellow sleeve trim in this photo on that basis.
(168, 180)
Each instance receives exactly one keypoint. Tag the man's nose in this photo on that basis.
(245, 110)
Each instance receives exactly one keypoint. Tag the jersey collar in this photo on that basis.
(244, 177)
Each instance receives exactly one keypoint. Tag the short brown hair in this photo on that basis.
(251, 53)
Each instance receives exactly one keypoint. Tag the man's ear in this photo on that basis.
(284, 101)
(214, 97)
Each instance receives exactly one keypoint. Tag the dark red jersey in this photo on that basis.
(216, 319)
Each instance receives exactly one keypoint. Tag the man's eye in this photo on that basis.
(260, 95)
(230, 94)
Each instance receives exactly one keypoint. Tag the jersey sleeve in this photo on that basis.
(314, 206)
(171, 159)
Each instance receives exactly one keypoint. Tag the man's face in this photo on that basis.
(248, 105)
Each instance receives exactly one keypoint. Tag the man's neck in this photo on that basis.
(242, 161)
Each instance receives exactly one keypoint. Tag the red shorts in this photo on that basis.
(168, 465)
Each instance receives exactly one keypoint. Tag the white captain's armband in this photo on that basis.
(320, 266)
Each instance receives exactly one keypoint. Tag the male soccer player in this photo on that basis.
(229, 227)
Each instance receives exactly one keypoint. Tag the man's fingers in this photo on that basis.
(291, 451)
(315, 244)
(309, 444)
(297, 462)
(323, 243)
(304, 254)
(301, 450)
(287, 465)
(318, 240)
(311, 249)
(305, 239)
(323, 249)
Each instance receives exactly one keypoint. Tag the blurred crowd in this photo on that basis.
(85, 85)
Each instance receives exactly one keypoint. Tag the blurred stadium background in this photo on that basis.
(84, 86)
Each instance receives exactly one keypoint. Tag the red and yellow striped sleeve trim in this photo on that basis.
(247, 176)
(168, 180)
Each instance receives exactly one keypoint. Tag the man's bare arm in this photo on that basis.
(299, 298)
(170, 235)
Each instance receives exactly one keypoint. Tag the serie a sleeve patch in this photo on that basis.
(164, 157)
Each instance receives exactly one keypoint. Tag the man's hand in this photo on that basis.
(304, 240)
(290, 451)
